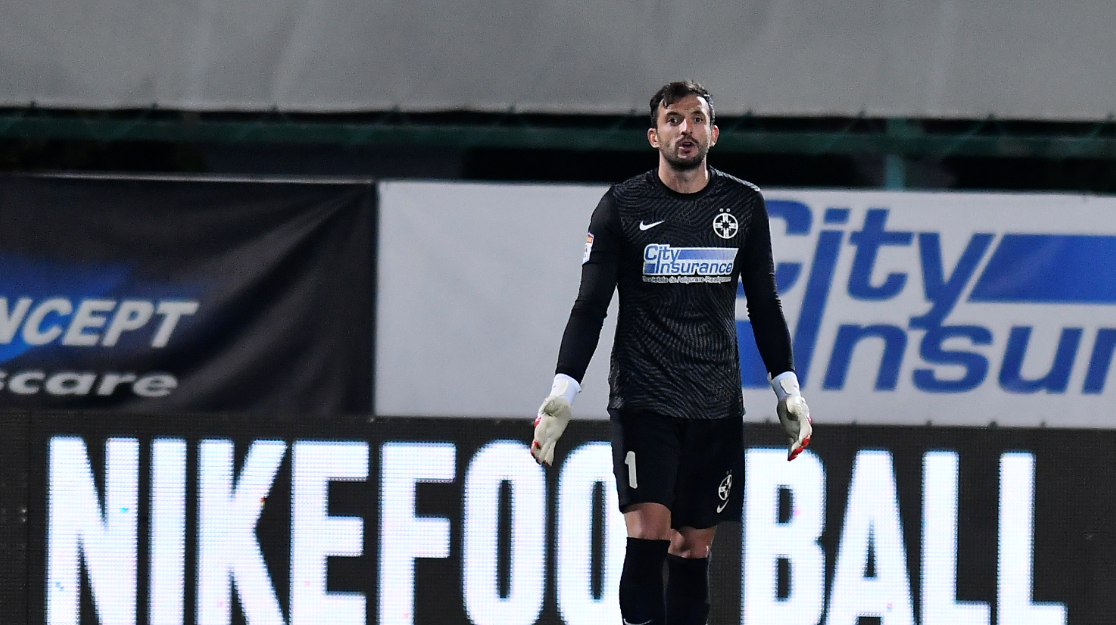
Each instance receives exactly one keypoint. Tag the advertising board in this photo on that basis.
(185, 294)
(399, 521)
(904, 308)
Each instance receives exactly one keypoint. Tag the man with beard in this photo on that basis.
(674, 242)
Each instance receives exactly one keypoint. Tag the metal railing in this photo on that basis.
(909, 138)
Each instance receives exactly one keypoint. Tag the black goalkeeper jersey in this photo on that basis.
(675, 259)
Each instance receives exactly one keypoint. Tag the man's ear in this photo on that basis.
(653, 138)
(713, 135)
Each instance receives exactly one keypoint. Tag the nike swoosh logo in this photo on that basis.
(643, 226)
(721, 507)
(627, 622)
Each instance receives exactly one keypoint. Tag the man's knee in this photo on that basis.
(649, 521)
(688, 542)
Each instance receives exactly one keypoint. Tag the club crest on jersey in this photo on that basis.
(685, 265)
(588, 248)
(725, 225)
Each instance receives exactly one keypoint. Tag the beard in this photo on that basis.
(679, 163)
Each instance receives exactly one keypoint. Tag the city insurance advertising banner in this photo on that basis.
(904, 308)
(220, 520)
(185, 294)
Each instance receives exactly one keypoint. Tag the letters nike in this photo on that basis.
(643, 226)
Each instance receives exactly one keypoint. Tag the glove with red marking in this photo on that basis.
(554, 414)
(794, 414)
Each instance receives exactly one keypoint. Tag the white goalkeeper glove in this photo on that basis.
(793, 412)
(554, 415)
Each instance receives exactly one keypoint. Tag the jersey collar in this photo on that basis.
(713, 174)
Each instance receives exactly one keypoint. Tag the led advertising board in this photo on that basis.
(400, 521)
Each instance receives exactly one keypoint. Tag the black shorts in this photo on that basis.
(694, 467)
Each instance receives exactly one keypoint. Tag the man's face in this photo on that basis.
(683, 133)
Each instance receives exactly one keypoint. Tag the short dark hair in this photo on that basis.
(672, 92)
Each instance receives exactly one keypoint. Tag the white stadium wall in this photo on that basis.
(905, 308)
(953, 58)
(474, 286)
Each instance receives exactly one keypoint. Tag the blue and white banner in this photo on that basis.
(947, 308)
(904, 308)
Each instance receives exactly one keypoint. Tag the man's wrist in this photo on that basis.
(565, 386)
(785, 384)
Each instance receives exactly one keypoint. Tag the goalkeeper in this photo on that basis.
(675, 242)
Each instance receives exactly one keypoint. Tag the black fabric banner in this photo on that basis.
(195, 295)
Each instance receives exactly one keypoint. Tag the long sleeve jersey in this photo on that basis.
(675, 260)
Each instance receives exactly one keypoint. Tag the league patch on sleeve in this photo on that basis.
(588, 248)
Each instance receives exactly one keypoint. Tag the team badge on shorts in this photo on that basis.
(723, 490)
(725, 225)
(588, 248)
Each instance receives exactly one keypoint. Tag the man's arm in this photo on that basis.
(599, 271)
(757, 274)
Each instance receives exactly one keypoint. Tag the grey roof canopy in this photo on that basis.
(1021, 59)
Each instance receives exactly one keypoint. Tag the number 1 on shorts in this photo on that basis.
(630, 461)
